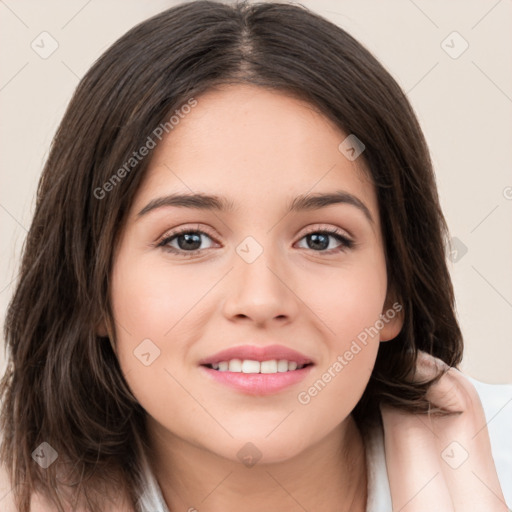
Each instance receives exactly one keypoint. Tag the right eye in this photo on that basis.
(187, 241)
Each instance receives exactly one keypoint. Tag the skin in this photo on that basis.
(457, 471)
(257, 148)
(260, 147)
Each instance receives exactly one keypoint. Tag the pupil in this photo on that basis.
(315, 237)
(189, 240)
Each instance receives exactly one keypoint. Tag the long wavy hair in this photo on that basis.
(63, 383)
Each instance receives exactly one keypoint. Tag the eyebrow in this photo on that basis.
(303, 202)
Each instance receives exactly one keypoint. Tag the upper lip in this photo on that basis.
(257, 353)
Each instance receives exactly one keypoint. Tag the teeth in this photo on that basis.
(235, 365)
(251, 366)
(282, 365)
(269, 366)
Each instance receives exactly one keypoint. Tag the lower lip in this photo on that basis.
(258, 383)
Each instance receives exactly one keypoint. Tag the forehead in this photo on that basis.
(257, 147)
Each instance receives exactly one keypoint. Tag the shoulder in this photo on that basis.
(38, 503)
(497, 404)
(6, 495)
(7, 504)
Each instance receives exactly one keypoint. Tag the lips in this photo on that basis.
(257, 353)
(256, 370)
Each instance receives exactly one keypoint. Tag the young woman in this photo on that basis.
(234, 294)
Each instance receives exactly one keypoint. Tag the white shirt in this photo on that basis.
(497, 403)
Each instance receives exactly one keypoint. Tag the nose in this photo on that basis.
(260, 291)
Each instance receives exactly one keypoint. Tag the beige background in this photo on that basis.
(464, 105)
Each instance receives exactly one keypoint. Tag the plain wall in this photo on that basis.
(463, 102)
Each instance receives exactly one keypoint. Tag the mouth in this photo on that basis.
(257, 370)
(251, 366)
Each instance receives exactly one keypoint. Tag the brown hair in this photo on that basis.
(64, 385)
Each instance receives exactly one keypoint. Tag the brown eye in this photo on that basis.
(319, 241)
(185, 241)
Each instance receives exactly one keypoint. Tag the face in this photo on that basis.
(303, 285)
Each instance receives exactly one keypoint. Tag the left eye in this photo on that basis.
(321, 238)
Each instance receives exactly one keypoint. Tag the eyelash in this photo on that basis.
(345, 242)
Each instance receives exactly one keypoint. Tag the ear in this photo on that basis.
(103, 332)
(101, 329)
(393, 319)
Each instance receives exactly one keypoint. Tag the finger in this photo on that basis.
(443, 394)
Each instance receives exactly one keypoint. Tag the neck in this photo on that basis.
(328, 476)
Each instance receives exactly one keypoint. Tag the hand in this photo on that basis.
(441, 463)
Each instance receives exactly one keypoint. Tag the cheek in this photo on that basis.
(150, 306)
(348, 305)
(347, 300)
(152, 298)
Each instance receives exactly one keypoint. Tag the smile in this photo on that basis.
(252, 377)
(252, 366)
(257, 369)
